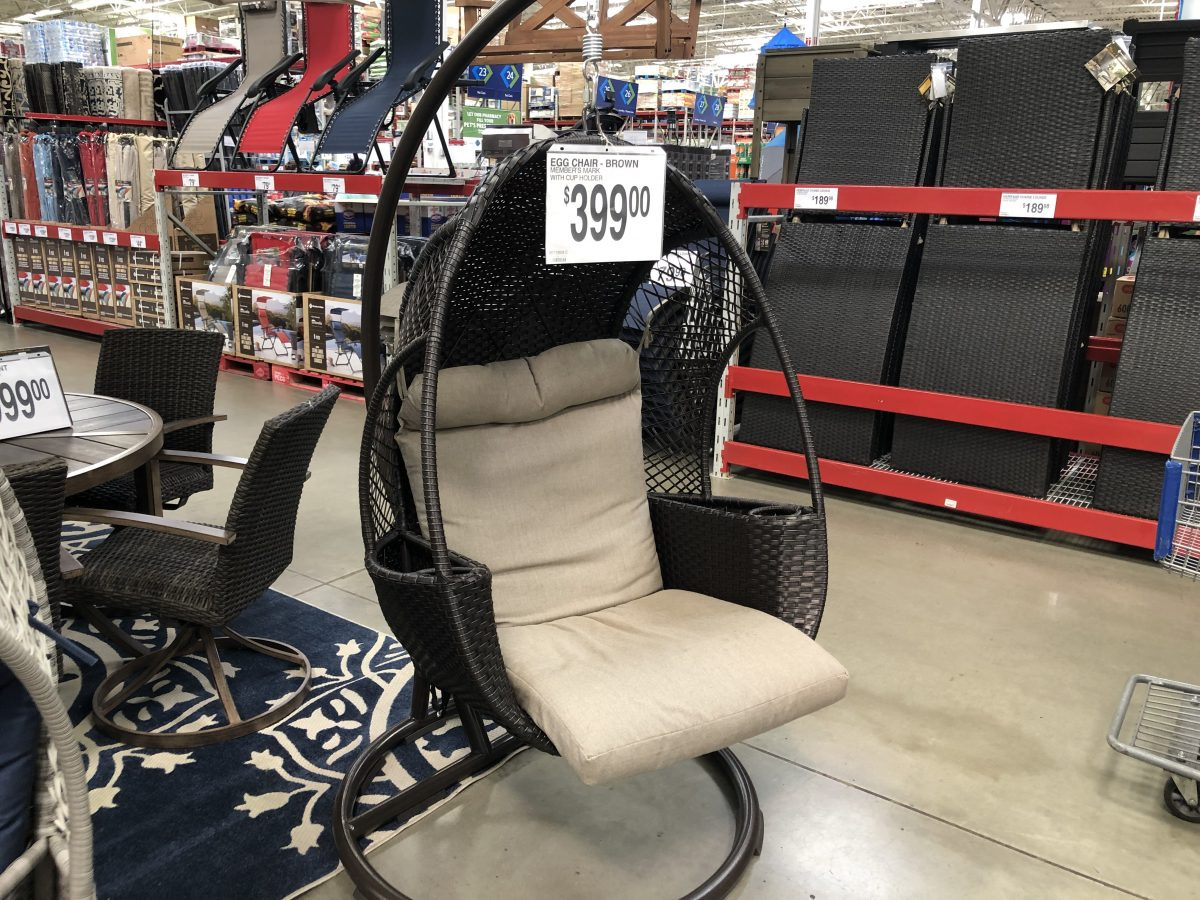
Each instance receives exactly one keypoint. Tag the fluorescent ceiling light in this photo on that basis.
(91, 4)
(42, 13)
(27, 17)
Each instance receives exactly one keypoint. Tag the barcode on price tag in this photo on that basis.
(137, 241)
(31, 396)
(190, 179)
(10, 227)
(604, 203)
(1028, 206)
(24, 228)
(65, 234)
(816, 198)
(41, 231)
(333, 185)
(90, 237)
(110, 238)
(264, 182)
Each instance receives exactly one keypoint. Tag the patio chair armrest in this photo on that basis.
(448, 626)
(328, 77)
(180, 424)
(344, 86)
(202, 459)
(270, 77)
(208, 90)
(770, 557)
(176, 527)
(420, 71)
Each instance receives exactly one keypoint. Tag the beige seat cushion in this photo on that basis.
(663, 678)
(540, 478)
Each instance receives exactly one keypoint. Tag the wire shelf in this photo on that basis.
(1075, 486)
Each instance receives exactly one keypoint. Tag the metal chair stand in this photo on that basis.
(132, 676)
(350, 828)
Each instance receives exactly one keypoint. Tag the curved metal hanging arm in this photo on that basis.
(440, 87)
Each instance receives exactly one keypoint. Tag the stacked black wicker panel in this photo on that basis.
(842, 289)
(1158, 376)
(1002, 310)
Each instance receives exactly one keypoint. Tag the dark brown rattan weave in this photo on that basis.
(202, 583)
(174, 373)
(39, 488)
(1181, 154)
(480, 293)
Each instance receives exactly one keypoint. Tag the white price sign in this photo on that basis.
(604, 203)
(190, 179)
(89, 236)
(333, 186)
(264, 182)
(24, 228)
(824, 198)
(1028, 206)
(31, 396)
(41, 231)
(1196, 210)
(10, 227)
(137, 241)
(65, 234)
(110, 238)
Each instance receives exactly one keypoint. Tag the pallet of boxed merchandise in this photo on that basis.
(269, 326)
(333, 335)
(572, 90)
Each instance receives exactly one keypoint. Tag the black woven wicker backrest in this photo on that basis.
(481, 292)
(263, 513)
(172, 371)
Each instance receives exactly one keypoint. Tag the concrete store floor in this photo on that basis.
(968, 760)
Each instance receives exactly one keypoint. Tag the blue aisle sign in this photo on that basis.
(709, 109)
(621, 96)
(494, 82)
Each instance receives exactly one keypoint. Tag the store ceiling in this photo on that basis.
(106, 12)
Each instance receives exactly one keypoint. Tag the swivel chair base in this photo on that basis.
(349, 828)
(135, 674)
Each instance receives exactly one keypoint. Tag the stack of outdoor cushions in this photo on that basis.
(1158, 376)
(1002, 311)
(841, 290)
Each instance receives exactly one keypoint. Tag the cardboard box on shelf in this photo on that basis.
(1106, 377)
(1101, 403)
(31, 271)
(270, 326)
(1122, 297)
(140, 49)
(1114, 327)
(89, 301)
(102, 264)
(201, 221)
(333, 335)
(115, 302)
(118, 258)
(85, 266)
(207, 306)
(148, 274)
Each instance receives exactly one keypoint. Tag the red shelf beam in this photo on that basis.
(1104, 349)
(61, 320)
(84, 234)
(962, 498)
(309, 182)
(1115, 206)
(94, 120)
(1131, 434)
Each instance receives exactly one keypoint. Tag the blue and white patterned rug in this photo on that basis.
(249, 817)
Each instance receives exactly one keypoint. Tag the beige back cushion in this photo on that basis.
(540, 478)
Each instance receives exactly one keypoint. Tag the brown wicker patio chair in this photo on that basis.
(201, 577)
(539, 521)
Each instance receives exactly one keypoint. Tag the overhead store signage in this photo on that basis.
(499, 83)
(825, 198)
(604, 203)
(31, 396)
(619, 96)
(1028, 206)
(709, 109)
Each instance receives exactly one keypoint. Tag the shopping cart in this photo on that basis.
(1167, 733)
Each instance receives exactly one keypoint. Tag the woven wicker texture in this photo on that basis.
(39, 488)
(1027, 114)
(480, 292)
(207, 584)
(173, 372)
(867, 122)
(841, 295)
(996, 315)
(1182, 162)
(1158, 378)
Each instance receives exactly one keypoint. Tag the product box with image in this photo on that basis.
(147, 305)
(119, 259)
(333, 335)
(62, 288)
(115, 302)
(1122, 297)
(207, 306)
(102, 264)
(31, 271)
(270, 326)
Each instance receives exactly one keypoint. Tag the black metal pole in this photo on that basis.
(439, 89)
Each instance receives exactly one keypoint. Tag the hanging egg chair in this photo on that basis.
(538, 513)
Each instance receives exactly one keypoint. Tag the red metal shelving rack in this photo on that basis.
(94, 120)
(1121, 206)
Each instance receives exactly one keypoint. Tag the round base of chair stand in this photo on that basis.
(135, 674)
(349, 829)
